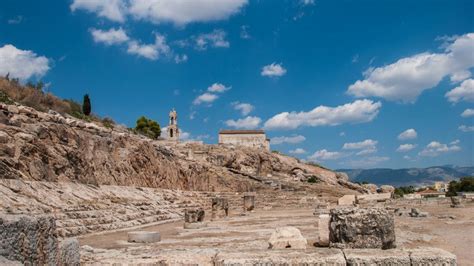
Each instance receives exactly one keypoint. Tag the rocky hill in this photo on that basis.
(43, 146)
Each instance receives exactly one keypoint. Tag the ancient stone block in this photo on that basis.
(370, 187)
(352, 227)
(432, 257)
(393, 257)
(417, 213)
(30, 240)
(320, 256)
(287, 237)
(323, 230)
(144, 237)
(456, 202)
(346, 200)
(194, 215)
(249, 202)
(69, 252)
(373, 197)
(220, 208)
(387, 189)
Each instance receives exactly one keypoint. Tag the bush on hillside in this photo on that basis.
(465, 184)
(148, 127)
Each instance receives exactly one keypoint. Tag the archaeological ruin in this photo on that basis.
(245, 138)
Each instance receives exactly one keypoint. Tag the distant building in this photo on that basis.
(441, 186)
(247, 138)
(431, 193)
(173, 130)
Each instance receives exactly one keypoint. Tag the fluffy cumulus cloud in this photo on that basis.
(110, 37)
(359, 111)
(179, 12)
(408, 134)
(150, 51)
(465, 128)
(436, 148)
(406, 147)
(273, 70)
(249, 122)
(243, 108)
(284, 139)
(206, 98)
(298, 151)
(325, 155)
(216, 39)
(22, 64)
(211, 94)
(114, 10)
(468, 113)
(365, 147)
(464, 92)
(407, 78)
(217, 87)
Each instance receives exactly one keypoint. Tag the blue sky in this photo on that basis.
(349, 84)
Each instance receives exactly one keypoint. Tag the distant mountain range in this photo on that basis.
(408, 176)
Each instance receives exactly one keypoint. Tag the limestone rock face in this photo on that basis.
(387, 189)
(372, 188)
(287, 237)
(352, 227)
(30, 240)
(220, 208)
(69, 252)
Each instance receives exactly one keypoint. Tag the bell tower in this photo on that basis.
(173, 131)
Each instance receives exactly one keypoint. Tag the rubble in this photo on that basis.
(417, 213)
(287, 237)
(220, 208)
(143, 237)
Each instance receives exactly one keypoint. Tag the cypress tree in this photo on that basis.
(86, 105)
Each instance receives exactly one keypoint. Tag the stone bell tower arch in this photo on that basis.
(173, 130)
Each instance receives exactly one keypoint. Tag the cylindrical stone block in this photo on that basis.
(249, 202)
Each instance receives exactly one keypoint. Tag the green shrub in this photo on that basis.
(465, 184)
(148, 127)
(108, 122)
(313, 179)
(86, 105)
(4, 98)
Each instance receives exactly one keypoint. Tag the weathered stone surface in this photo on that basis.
(194, 215)
(392, 257)
(28, 239)
(373, 197)
(249, 202)
(323, 230)
(456, 202)
(220, 208)
(372, 188)
(346, 200)
(144, 237)
(417, 213)
(287, 237)
(387, 189)
(198, 225)
(352, 227)
(69, 252)
(432, 257)
(318, 256)
(6, 262)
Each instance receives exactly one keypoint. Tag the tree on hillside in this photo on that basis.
(86, 105)
(465, 184)
(148, 127)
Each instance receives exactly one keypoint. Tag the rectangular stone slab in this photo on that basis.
(393, 257)
(319, 256)
(432, 257)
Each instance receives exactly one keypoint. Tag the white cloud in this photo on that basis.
(307, 2)
(324, 155)
(217, 39)
(455, 142)
(468, 113)
(206, 97)
(16, 20)
(22, 64)
(249, 122)
(460, 76)
(291, 140)
(114, 10)
(273, 70)
(407, 78)
(217, 87)
(465, 128)
(436, 148)
(367, 146)
(342, 134)
(406, 157)
(150, 51)
(408, 134)
(181, 12)
(367, 161)
(406, 147)
(298, 151)
(244, 108)
(178, 59)
(110, 37)
(360, 111)
(463, 92)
